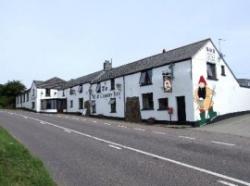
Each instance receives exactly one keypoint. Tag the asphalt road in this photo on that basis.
(87, 151)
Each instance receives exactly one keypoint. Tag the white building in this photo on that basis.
(43, 96)
(187, 84)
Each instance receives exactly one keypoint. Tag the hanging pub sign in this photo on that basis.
(167, 82)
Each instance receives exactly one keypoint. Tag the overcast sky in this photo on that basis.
(40, 39)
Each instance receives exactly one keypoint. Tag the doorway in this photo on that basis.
(181, 108)
(133, 113)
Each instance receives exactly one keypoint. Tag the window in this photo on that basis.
(63, 94)
(47, 92)
(147, 101)
(48, 104)
(71, 103)
(93, 105)
(146, 78)
(112, 103)
(24, 98)
(211, 71)
(80, 103)
(112, 82)
(80, 89)
(163, 103)
(33, 92)
(98, 87)
(72, 91)
(223, 73)
(28, 96)
(33, 105)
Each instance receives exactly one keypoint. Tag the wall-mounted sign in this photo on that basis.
(107, 95)
(211, 54)
(167, 82)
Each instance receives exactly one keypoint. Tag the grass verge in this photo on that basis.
(18, 167)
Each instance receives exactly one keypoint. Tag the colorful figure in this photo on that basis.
(204, 99)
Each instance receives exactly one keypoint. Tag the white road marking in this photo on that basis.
(67, 130)
(43, 122)
(186, 137)
(226, 183)
(223, 143)
(115, 147)
(94, 121)
(122, 126)
(158, 132)
(139, 129)
(107, 124)
(222, 176)
(25, 117)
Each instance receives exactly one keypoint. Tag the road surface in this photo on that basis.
(88, 151)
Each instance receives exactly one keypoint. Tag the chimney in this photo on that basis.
(164, 50)
(107, 65)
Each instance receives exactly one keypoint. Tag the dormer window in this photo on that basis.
(146, 77)
(80, 89)
(72, 91)
(47, 92)
(98, 87)
(112, 84)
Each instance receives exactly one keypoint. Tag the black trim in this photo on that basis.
(145, 109)
(229, 115)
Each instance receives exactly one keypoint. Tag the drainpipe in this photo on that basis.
(124, 97)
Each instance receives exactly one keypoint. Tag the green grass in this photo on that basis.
(18, 167)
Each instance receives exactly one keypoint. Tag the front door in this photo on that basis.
(133, 113)
(181, 108)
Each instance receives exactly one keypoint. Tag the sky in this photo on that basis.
(40, 39)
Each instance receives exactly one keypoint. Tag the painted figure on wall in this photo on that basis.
(204, 99)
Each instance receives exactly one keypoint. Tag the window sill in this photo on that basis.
(223, 74)
(112, 112)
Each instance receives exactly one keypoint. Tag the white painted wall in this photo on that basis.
(36, 95)
(75, 97)
(102, 99)
(229, 96)
(182, 86)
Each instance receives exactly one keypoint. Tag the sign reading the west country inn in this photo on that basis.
(108, 95)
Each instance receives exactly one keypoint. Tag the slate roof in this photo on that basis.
(53, 83)
(84, 79)
(171, 56)
(244, 82)
(37, 83)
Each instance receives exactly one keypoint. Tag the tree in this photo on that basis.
(8, 93)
